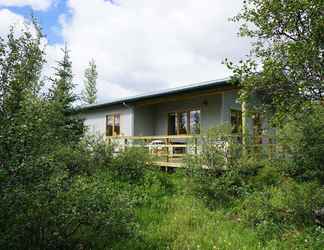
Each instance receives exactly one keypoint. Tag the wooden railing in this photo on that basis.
(168, 151)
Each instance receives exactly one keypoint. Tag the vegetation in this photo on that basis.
(51, 196)
(285, 69)
(63, 190)
(90, 83)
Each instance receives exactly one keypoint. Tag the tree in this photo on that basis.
(21, 61)
(62, 89)
(90, 74)
(286, 65)
(52, 195)
(63, 99)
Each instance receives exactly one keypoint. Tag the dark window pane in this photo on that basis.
(183, 122)
(257, 128)
(117, 125)
(109, 125)
(195, 122)
(236, 123)
(172, 121)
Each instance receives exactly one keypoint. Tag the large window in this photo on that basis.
(195, 122)
(257, 128)
(172, 124)
(184, 122)
(113, 125)
(236, 123)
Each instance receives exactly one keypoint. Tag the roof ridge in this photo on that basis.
(157, 92)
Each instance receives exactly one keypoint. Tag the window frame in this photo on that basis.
(177, 122)
(240, 129)
(113, 117)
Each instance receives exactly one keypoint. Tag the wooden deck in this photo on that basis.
(168, 151)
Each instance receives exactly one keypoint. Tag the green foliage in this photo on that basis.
(69, 126)
(219, 181)
(130, 165)
(274, 197)
(304, 142)
(91, 75)
(278, 208)
(288, 48)
(21, 61)
(56, 190)
(62, 89)
(80, 158)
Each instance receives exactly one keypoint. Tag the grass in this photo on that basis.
(179, 220)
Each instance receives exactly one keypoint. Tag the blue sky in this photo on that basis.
(49, 19)
(140, 45)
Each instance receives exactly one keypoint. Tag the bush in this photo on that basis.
(131, 164)
(303, 140)
(278, 208)
(65, 200)
(88, 212)
(228, 174)
(86, 157)
(214, 177)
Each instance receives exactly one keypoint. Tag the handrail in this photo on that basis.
(173, 148)
(151, 137)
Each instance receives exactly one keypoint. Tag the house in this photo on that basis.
(165, 119)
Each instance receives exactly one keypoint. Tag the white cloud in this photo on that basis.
(7, 19)
(35, 4)
(19, 23)
(144, 45)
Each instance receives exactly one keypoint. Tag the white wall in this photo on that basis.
(144, 120)
(95, 120)
(230, 101)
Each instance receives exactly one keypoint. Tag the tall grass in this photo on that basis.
(176, 219)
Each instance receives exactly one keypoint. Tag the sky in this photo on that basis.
(139, 46)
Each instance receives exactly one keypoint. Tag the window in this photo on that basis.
(195, 122)
(113, 125)
(236, 123)
(116, 124)
(184, 122)
(257, 128)
(172, 124)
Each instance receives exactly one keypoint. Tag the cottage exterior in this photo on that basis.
(173, 113)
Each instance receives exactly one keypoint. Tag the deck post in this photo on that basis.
(125, 143)
(167, 143)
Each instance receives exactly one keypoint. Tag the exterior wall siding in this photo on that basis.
(144, 119)
(153, 119)
(157, 115)
(96, 120)
(230, 101)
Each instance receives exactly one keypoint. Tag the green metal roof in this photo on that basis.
(179, 90)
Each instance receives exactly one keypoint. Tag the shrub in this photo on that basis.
(278, 208)
(65, 199)
(154, 186)
(86, 157)
(86, 212)
(131, 164)
(216, 176)
(303, 140)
